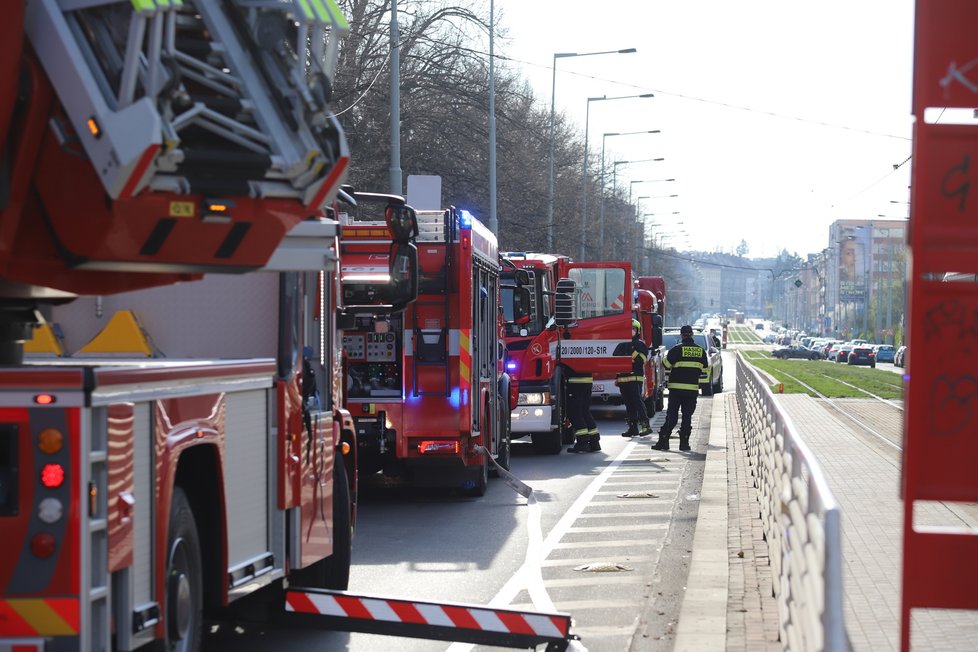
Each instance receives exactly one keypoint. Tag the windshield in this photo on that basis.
(537, 316)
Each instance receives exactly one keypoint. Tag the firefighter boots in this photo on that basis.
(662, 444)
(582, 445)
(632, 430)
(684, 442)
(646, 429)
(595, 442)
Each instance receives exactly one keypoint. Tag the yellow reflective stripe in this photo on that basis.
(580, 431)
(683, 386)
(306, 10)
(580, 380)
(666, 363)
(339, 20)
(689, 364)
(629, 379)
(321, 12)
(143, 6)
(42, 618)
(639, 354)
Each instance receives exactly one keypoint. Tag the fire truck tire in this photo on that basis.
(546, 443)
(503, 445)
(334, 571)
(183, 604)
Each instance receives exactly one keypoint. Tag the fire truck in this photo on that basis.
(190, 449)
(540, 353)
(425, 387)
(172, 431)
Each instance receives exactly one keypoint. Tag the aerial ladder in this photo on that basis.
(162, 139)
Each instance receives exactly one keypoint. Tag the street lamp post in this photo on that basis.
(553, 110)
(604, 138)
(587, 117)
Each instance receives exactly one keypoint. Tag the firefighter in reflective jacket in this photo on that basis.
(587, 438)
(630, 385)
(685, 362)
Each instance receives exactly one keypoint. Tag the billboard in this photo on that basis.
(852, 268)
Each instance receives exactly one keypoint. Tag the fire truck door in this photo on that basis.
(482, 339)
(604, 318)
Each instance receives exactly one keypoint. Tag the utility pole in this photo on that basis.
(396, 183)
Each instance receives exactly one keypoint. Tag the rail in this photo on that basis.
(801, 520)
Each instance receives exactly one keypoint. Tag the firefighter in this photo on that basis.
(587, 437)
(631, 383)
(685, 363)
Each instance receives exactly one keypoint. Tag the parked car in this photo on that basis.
(828, 347)
(797, 352)
(770, 338)
(861, 354)
(842, 352)
(900, 357)
(711, 380)
(884, 352)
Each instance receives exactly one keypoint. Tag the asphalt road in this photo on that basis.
(626, 506)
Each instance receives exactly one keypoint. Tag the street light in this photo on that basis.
(631, 185)
(587, 118)
(604, 138)
(553, 109)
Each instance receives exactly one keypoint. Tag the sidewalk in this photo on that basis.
(728, 602)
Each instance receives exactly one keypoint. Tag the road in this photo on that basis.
(627, 508)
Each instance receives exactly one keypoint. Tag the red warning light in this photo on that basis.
(44, 399)
(52, 475)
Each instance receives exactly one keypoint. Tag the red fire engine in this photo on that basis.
(195, 449)
(539, 354)
(424, 386)
(144, 149)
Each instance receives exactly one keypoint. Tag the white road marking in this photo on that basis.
(529, 575)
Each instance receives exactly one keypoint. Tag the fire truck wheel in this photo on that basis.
(334, 571)
(184, 589)
(477, 481)
(547, 443)
(503, 446)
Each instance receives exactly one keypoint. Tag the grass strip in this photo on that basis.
(823, 377)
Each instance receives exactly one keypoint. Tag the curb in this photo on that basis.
(703, 614)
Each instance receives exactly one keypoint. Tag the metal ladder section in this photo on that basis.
(198, 96)
(432, 346)
(95, 605)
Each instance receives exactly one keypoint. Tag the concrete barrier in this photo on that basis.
(801, 520)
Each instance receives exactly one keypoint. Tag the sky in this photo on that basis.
(777, 117)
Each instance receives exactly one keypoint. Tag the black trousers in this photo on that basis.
(631, 392)
(579, 408)
(684, 399)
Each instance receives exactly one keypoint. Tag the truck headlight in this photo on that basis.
(534, 398)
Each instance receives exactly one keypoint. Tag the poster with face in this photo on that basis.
(851, 267)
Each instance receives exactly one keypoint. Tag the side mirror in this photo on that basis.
(565, 308)
(403, 274)
(521, 276)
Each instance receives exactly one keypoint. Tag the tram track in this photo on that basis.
(850, 415)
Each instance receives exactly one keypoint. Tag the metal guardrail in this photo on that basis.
(801, 520)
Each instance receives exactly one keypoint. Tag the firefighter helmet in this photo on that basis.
(637, 325)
